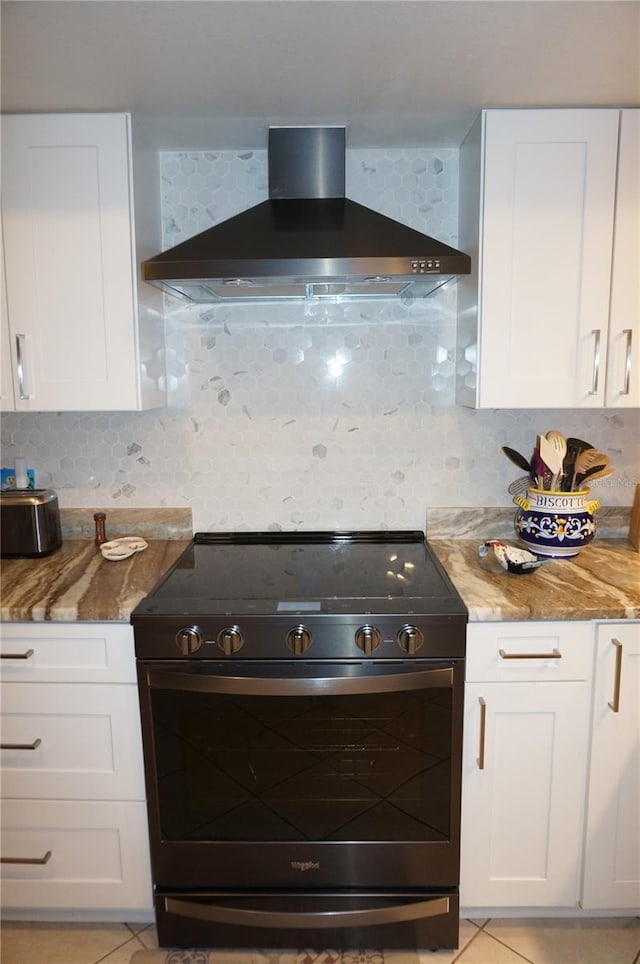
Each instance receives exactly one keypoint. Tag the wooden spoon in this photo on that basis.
(586, 460)
(559, 443)
(550, 456)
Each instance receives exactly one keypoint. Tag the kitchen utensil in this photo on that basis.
(574, 447)
(584, 461)
(597, 462)
(596, 472)
(559, 443)
(550, 456)
(516, 458)
(518, 486)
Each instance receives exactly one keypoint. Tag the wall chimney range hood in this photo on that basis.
(307, 241)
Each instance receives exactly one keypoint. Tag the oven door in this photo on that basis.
(290, 774)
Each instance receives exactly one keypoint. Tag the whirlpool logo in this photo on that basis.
(305, 865)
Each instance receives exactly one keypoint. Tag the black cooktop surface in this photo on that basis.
(267, 573)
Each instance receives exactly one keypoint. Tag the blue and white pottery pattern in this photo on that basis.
(556, 524)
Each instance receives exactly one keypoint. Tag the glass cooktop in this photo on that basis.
(304, 572)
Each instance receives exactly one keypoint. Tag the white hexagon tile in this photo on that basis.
(317, 416)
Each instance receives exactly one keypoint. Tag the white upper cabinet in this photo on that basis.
(623, 361)
(537, 203)
(81, 337)
(7, 402)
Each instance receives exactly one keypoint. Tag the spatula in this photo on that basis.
(550, 456)
(559, 443)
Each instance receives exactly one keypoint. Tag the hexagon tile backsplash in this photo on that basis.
(321, 416)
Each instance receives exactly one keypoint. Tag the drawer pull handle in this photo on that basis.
(27, 655)
(614, 704)
(555, 654)
(483, 726)
(27, 860)
(21, 746)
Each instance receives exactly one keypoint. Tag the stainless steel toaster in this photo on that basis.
(29, 522)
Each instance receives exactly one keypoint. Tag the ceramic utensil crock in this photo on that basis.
(555, 524)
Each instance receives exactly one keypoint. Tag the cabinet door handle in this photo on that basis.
(21, 341)
(27, 860)
(27, 655)
(21, 746)
(554, 654)
(596, 361)
(483, 727)
(627, 362)
(614, 704)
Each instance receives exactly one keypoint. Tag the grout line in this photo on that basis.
(118, 946)
(510, 948)
(464, 949)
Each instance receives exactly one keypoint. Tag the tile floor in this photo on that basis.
(494, 941)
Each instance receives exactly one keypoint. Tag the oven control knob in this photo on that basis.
(368, 639)
(230, 640)
(188, 640)
(299, 640)
(410, 639)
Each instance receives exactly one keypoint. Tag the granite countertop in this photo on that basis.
(601, 582)
(75, 583)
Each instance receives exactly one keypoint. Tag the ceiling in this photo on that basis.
(205, 74)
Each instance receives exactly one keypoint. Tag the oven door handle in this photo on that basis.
(338, 685)
(240, 916)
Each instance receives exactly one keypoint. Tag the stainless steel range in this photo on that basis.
(301, 699)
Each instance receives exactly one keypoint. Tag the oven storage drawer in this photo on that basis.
(295, 919)
(64, 854)
(71, 742)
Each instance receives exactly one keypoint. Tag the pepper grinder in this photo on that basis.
(99, 519)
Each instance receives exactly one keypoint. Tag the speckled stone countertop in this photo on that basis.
(601, 582)
(77, 584)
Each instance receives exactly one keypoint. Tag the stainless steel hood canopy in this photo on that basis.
(307, 241)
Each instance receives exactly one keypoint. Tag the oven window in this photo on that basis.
(321, 768)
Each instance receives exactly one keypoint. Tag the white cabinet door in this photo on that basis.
(534, 312)
(524, 763)
(7, 402)
(623, 357)
(67, 210)
(612, 850)
(523, 786)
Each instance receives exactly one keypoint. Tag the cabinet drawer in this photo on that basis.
(99, 855)
(71, 742)
(67, 652)
(529, 651)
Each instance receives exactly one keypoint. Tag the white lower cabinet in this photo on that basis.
(74, 826)
(611, 876)
(524, 763)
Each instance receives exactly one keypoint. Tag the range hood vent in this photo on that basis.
(307, 241)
